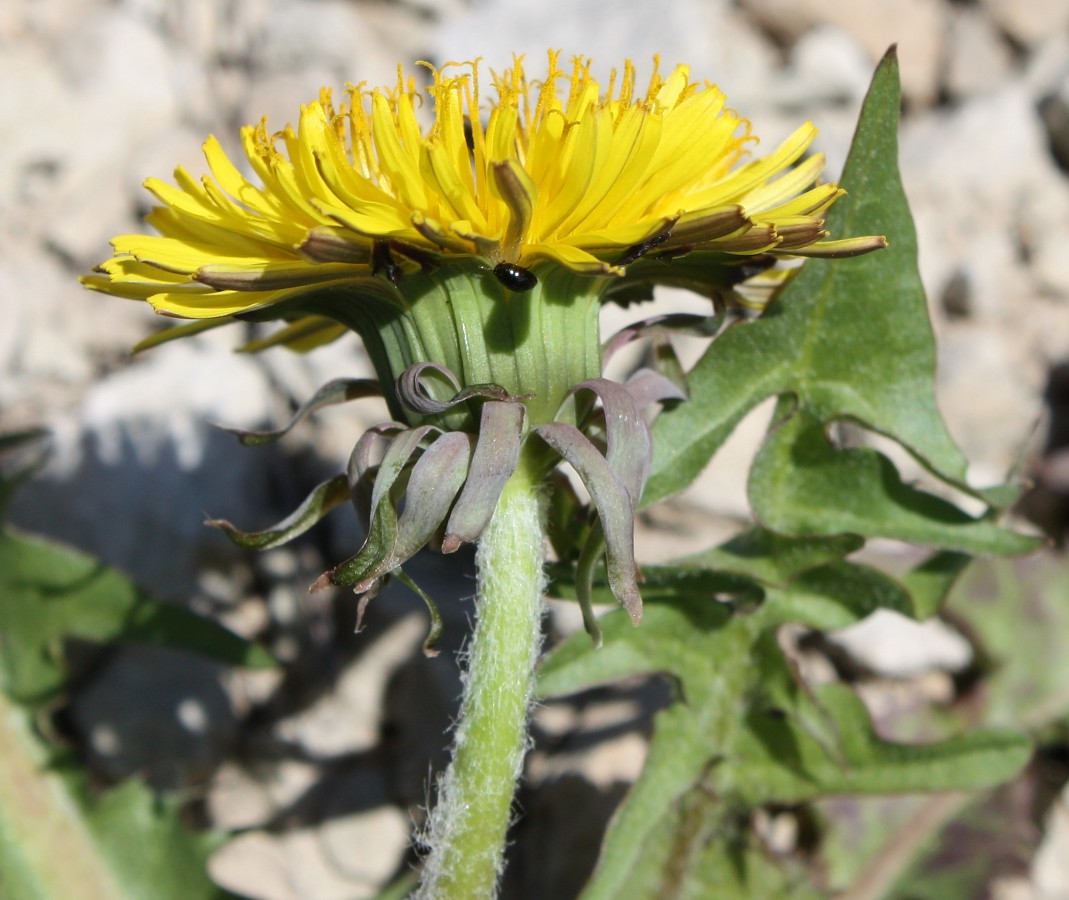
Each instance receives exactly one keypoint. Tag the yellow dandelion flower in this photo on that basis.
(360, 210)
(580, 177)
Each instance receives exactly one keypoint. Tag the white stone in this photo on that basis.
(984, 193)
(1050, 867)
(253, 687)
(709, 36)
(1029, 22)
(970, 176)
(333, 430)
(77, 105)
(323, 43)
(83, 217)
(290, 780)
(917, 26)
(123, 85)
(890, 700)
(348, 857)
(176, 387)
(987, 390)
(602, 763)
(1047, 66)
(25, 20)
(787, 20)
(295, 33)
(978, 59)
(236, 800)
(827, 65)
(34, 344)
(1054, 110)
(1049, 263)
(977, 160)
(256, 864)
(348, 719)
(367, 847)
(897, 647)
(158, 157)
(33, 98)
(279, 95)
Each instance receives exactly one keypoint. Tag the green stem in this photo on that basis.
(467, 828)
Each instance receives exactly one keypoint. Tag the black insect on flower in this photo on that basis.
(516, 278)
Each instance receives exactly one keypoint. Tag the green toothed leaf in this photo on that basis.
(772, 558)
(801, 485)
(743, 730)
(849, 339)
(932, 581)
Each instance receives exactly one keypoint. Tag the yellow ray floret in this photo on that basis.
(559, 171)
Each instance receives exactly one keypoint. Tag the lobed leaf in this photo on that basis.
(848, 339)
(801, 485)
(780, 760)
(744, 731)
(772, 558)
(836, 595)
(931, 582)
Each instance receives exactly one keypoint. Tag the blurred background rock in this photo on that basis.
(334, 752)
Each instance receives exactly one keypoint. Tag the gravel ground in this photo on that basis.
(95, 96)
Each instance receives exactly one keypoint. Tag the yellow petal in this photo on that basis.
(270, 275)
(573, 258)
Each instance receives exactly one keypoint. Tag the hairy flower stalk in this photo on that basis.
(467, 828)
(472, 255)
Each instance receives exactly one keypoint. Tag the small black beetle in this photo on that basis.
(516, 278)
(382, 263)
(637, 251)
